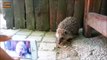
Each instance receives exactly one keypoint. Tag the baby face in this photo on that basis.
(20, 48)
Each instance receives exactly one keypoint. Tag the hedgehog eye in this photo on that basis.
(61, 38)
(69, 39)
(65, 32)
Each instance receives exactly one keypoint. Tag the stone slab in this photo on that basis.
(24, 32)
(47, 46)
(37, 38)
(16, 37)
(46, 55)
(50, 34)
(38, 33)
(49, 39)
(9, 32)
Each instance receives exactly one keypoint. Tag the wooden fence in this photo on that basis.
(41, 14)
(0, 5)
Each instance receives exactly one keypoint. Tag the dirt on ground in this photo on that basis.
(83, 48)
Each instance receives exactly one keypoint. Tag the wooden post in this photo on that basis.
(70, 7)
(87, 29)
(19, 13)
(79, 11)
(42, 15)
(53, 14)
(8, 13)
(30, 21)
(61, 10)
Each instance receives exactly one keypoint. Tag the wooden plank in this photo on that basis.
(36, 9)
(19, 13)
(61, 10)
(8, 14)
(70, 7)
(53, 14)
(22, 13)
(98, 22)
(36, 4)
(79, 10)
(42, 15)
(30, 20)
(104, 7)
(97, 5)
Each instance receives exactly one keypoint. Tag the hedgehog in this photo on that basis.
(67, 30)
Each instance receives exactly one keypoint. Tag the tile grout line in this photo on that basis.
(16, 32)
(42, 39)
(29, 34)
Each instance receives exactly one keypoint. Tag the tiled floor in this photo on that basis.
(45, 41)
(82, 48)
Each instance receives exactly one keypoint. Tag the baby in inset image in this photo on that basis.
(21, 50)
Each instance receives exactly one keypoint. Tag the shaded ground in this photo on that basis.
(83, 48)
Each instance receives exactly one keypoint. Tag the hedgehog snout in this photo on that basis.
(60, 40)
